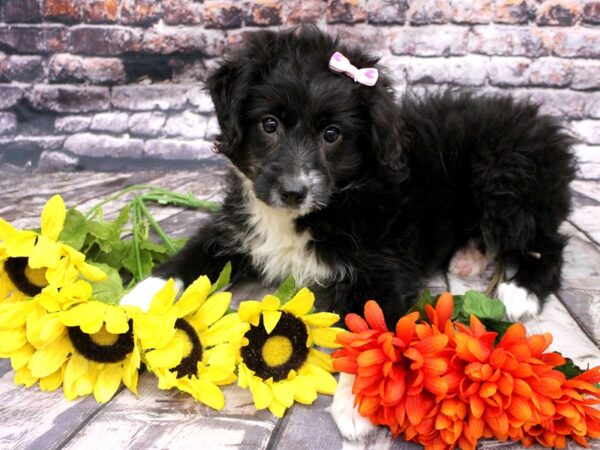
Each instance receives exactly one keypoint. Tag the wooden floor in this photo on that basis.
(158, 420)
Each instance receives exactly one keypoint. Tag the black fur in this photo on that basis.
(405, 186)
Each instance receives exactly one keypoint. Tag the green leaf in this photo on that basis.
(482, 307)
(286, 290)
(223, 280)
(426, 298)
(109, 290)
(130, 264)
(75, 229)
(570, 369)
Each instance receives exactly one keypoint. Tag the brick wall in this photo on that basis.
(104, 84)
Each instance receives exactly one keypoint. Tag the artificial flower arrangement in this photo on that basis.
(61, 323)
(452, 371)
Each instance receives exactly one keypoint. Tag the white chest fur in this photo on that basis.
(277, 250)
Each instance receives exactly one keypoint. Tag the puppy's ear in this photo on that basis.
(230, 83)
(388, 135)
(228, 87)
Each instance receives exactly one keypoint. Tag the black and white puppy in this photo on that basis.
(340, 185)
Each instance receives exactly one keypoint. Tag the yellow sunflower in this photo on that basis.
(29, 261)
(17, 341)
(279, 362)
(88, 348)
(191, 344)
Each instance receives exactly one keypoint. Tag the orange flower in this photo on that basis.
(445, 385)
(576, 415)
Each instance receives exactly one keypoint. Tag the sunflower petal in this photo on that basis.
(301, 303)
(321, 319)
(53, 217)
(261, 393)
(214, 308)
(249, 311)
(107, 383)
(193, 297)
(270, 320)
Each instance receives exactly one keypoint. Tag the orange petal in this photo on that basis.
(477, 407)
(405, 328)
(374, 316)
(356, 323)
(371, 357)
(444, 308)
(478, 349)
(432, 344)
(436, 385)
(415, 409)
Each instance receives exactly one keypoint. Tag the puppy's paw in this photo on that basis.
(351, 424)
(468, 262)
(143, 292)
(520, 304)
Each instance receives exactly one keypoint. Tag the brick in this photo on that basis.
(8, 123)
(465, 71)
(72, 124)
(68, 11)
(37, 143)
(66, 68)
(24, 69)
(307, 11)
(200, 99)
(96, 146)
(33, 38)
(181, 12)
(212, 129)
(187, 125)
(21, 11)
(550, 72)
(106, 41)
(167, 40)
(424, 12)
(387, 12)
(430, 41)
(576, 42)
(187, 69)
(587, 131)
(509, 71)
(151, 97)
(559, 12)
(511, 11)
(112, 122)
(179, 150)
(222, 14)
(592, 104)
(264, 13)
(53, 161)
(10, 95)
(346, 11)
(591, 12)
(586, 75)
(69, 99)
(100, 11)
(589, 161)
(508, 41)
(147, 123)
(140, 12)
(561, 103)
(471, 12)
(367, 38)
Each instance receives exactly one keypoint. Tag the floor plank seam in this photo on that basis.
(277, 431)
(85, 422)
(587, 235)
(578, 321)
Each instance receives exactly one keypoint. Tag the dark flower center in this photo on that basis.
(275, 355)
(103, 347)
(189, 364)
(28, 281)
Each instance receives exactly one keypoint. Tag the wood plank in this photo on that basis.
(169, 419)
(32, 419)
(590, 189)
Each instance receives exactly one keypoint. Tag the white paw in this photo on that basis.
(351, 424)
(468, 262)
(519, 302)
(143, 292)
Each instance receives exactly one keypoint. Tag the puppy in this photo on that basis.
(338, 184)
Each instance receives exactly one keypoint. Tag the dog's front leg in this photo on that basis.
(204, 254)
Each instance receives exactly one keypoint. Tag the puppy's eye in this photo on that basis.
(331, 134)
(269, 124)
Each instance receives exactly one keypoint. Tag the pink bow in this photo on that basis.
(340, 63)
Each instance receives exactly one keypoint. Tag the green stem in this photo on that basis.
(157, 228)
(136, 187)
(135, 216)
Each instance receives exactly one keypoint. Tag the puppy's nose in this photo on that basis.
(293, 193)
